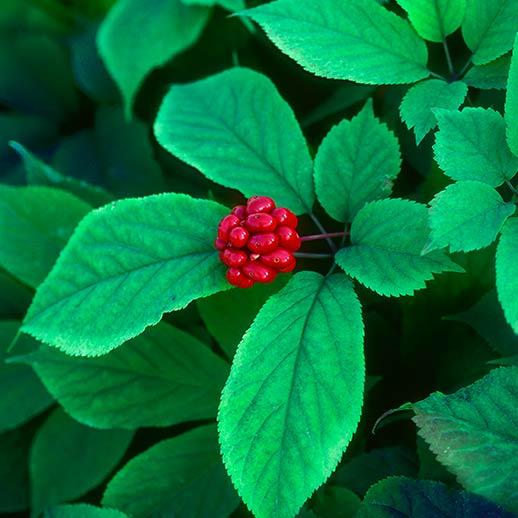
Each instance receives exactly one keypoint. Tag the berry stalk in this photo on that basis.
(327, 235)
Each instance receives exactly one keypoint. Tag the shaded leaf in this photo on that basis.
(82, 511)
(493, 75)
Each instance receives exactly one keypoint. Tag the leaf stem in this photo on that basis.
(438, 76)
(512, 187)
(448, 59)
(465, 67)
(320, 227)
(304, 255)
(316, 237)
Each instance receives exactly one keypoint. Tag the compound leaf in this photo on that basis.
(511, 103)
(471, 145)
(357, 162)
(387, 239)
(357, 40)
(493, 75)
(127, 264)
(467, 216)
(294, 395)
(238, 131)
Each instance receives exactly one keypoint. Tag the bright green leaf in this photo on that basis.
(357, 162)
(82, 511)
(182, 476)
(230, 5)
(400, 496)
(493, 75)
(238, 131)
(420, 101)
(139, 35)
(35, 224)
(511, 103)
(471, 145)
(79, 459)
(434, 19)
(507, 272)
(473, 433)
(294, 395)
(467, 216)
(357, 40)
(126, 265)
(160, 378)
(387, 239)
(489, 28)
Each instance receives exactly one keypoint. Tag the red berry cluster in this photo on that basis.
(257, 242)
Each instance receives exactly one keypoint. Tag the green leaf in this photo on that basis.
(39, 216)
(434, 19)
(238, 131)
(23, 395)
(473, 433)
(489, 28)
(337, 502)
(160, 378)
(79, 459)
(182, 476)
(467, 216)
(15, 297)
(137, 36)
(358, 40)
(357, 162)
(39, 173)
(126, 265)
(82, 511)
(420, 101)
(511, 103)
(493, 75)
(400, 496)
(507, 272)
(471, 145)
(230, 5)
(387, 239)
(294, 395)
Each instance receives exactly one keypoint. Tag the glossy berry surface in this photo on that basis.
(257, 241)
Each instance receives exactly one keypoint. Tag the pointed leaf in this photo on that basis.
(166, 479)
(471, 145)
(473, 433)
(238, 131)
(357, 162)
(357, 40)
(493, 75)
(420, 101)
(387, 239)
(127, 264)
(139, 35)
(467, 216)
(294, 395)
(511, 103)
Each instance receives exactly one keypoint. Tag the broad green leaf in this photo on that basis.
(473, 433)
(511, 103)
(471, 145)
(77, 457)
(434, 19)
(493, 75)
(182, 476)
(139, 35)
(467, 216)
(230, 5)
(400, 496)
(507, 272)
(39, 173)
(357, 40)
(126, 265)
(387, 239)
(419, 102)
(160, 378)
(35, 224)
(238, 131)
(23, 395)
(82, 511)
(357, 162)
(489, 28)
(294, 395)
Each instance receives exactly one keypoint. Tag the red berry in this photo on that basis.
(238, 237)
(233, 257)
(285, 217)
(219, 244)
(237, 278)
(227, 224)
(278, 259)
(289, 268)
(263, 243)
(239, 211)
(260, 222)
(259, 272)
(289, 238)
(259, 204)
